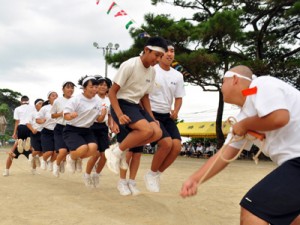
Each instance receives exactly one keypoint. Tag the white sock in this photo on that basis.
(118, 151)
(87, 175)
(124, 181)
(153, 173)
(131, 182)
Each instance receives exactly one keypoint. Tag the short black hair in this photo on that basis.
(157, 41)
(38, 100)
(24, 98)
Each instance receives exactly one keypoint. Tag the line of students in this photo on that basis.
(78, 125)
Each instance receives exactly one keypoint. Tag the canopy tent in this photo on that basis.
(201, 129)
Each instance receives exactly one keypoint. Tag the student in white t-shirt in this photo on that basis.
(21, 133)
(100, 130)
(57, 114)
(272, 107)
(81, 112)
(47, 134)
(132, 85)
(35, 135)
(166, 100)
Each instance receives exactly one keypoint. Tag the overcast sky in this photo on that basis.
(43, 43)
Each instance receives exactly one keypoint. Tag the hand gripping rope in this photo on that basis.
(250, 136)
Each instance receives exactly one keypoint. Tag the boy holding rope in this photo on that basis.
(272, 107)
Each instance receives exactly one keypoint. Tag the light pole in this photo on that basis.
(106, 51)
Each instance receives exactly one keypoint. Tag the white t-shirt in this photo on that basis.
(44, 113)
(134, 80)
(105, 103)
(272, 94)
(168, 85)
(88, 110)
(58, 107)
(22, 112)
(32, 120)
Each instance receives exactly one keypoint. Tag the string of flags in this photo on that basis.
(121, 12)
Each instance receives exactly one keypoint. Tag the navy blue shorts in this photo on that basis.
(138, 149)
(75, 137)
(167, 125)
(100, 131)
(47, 139)
(35, 141)
(59, 142)
(17, 153)
(23, 132)
(276, 197)
(135, 112)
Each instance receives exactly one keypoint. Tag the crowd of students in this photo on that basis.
(145, 97)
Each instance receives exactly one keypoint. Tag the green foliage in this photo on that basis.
(264, 35)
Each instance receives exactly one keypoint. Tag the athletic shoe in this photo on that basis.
(133, 188)
(123, 163)
(78, 165)
(31, 160)
(37, 161)
(33, 171)
(123, 188)
(20, 146)
(43, 164)
(56, 170)
(96, 180)
(5, 173)
(88, 181)
(27, 144)
(70, 164)
(113, 160)
(62, 166)
(50, 166)
(152, 182)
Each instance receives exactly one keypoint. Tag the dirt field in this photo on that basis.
(43, 199)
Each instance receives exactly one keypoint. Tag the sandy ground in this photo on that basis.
(43, 199)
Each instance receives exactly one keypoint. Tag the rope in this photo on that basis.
(250, 136)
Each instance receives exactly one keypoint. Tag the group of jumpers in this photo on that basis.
(142, 111)
(140, 106)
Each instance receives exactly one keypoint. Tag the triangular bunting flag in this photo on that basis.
(128, 24)
(111, 6)
(121, 13)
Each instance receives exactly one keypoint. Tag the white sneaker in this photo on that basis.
(123, 188)
(113, 161)
(37, 161)
(6, 173)
(70, 164)
(88, 181)
(33, 171)
(123, 163)
(20, 146)
(152, 182)
(133, 188)
(43, 164)
(27, 144)
(96, 180)
(62, 166)
(31, 160)
(50, 166)
(56, 170)
(78, 165)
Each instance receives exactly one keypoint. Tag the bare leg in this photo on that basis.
(296, 221)
(8, 162)
(91, 163)
(61, 156)
(247, 218)
(134, 165)
(163, 150)
(171, 157)
(101, 163)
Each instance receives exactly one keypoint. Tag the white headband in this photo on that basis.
(41, 101)
(231, 74)
(156, 48)
(87, 79)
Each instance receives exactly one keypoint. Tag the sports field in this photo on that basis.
(43, 199)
